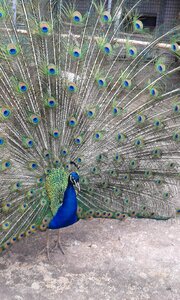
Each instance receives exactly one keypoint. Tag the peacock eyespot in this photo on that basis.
(76, 54)
(71, 88)
(45, 29)
(131, 52)
(34, 166)
(30, 143)
(23, 88)
(1, 141)
(97, 135)
(6, 113)
(13, 51)
(100, 82)
(79, 160)
(90, 113)
(52, 71)
(106, 18)
(76, 19)
(51, 103)
(138, 25)
(56, 134)
(107, 50)
(7, 164)
(176, 108)
(160, 68)
(35, 120)
(71, 122)
(115, 110)
(174, 47)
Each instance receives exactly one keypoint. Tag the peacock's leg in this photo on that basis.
(46, 249)
(58, 243)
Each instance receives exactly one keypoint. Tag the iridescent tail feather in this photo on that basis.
(80, 88)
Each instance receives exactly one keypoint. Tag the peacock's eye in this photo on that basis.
(12, 51)
(51, 102)
(76, 18)
(76, 54)
(45, 29)
(52, 71)
(101, 82)
(106, 49)
(35, 120)
(6, 113)
(7, 164)
(115, 110)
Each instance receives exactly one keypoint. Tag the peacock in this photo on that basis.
(87, 100)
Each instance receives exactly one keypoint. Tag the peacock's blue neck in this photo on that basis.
(70, 195)
(67, 213)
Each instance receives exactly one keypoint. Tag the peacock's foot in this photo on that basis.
(47, 251)
(58, 246)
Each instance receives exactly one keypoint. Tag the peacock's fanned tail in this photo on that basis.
(96, 89)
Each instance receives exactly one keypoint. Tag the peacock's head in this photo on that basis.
(74, 178)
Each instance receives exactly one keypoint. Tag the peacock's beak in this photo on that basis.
(77, 186)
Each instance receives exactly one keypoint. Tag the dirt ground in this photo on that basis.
(110, 259)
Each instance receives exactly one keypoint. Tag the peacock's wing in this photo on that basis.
(96, 89)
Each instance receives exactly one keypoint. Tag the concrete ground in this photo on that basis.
(110, 259)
